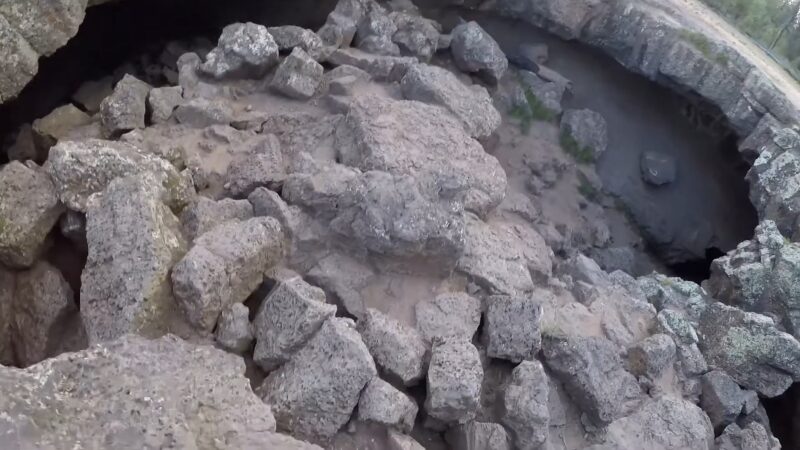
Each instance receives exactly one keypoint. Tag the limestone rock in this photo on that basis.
(749, 348)
(652, 356)
(478, 436)
(593, 375)
(134, 239)
(298, 76)
(454, 382)
(244, 50)
(289, 316)
(454, 316)
(472, 105)
(382, 403)
(28, 211)
(162, 102)
(225, 266)
(80, 169)
(177, 400)
(525, 406)
(314, 394)
(234, 332)
(474, 50)
(204, 214)
(290, 36)
(512, 327)
(57, 125)
(398, 350)
(585, 129)
(125, 108)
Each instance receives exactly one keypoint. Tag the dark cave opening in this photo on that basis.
(782, 412)
(697, 270)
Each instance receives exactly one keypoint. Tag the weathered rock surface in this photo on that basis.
(380, 67)
(652, 356)
(287, 37)
(415, 35)
(162, 101)
(289, 316)
(204, 214)
(474, 50)
(225, 266)
(134, 240)
(586, 130)
(234, 332)
(171, 399)
(201, 113)
(125, 108)
(454, 316)
(28, 211)
(57, 125)
(775, 181)
(753, 436)
(344, 277)
(525, 406)
(314, 394)
(298, 76)
(472, 105)
(512, 327)
(547, 93)
(382, 403)
(658, 169)
(397, 349)
(244, 50)
(454, 382)
(722, 399)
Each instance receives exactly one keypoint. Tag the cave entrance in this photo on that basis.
(782, 412)
(696, 270)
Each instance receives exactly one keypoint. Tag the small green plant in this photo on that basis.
(586, 189)
(583, 155)
(523, 116)
(704, 45)
(534, 111)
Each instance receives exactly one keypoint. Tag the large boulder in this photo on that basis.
(382, 403)
(290, 314)
(244, 50)
(525, 406)
(298, 76)
(225, 266)
(475, 51)
(454, 382)
(722, 399)
(472, 105)
(397, 349)
(170, 399)
(584, 133)
(125, 109)
(134, 240)
(750, 349)
(28, 211)
(751, 437)
(80, 169)
(290, 36)
(415, 35)
(315, 393)
(775, 182)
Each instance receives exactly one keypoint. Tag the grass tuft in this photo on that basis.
(586, 189)
(535, 111)
(583, 155)
(704, 45)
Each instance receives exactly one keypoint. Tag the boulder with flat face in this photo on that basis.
(234, 332)
(397, 349)
(125, 109)
(475, 51)
(525, 405)
(451, 316)
(298, 76)
(454, 382)
(290, 36)
(382, 403)
(512, 327)
(584, 133)
(244, 50)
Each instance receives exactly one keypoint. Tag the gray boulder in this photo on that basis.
(202, 113)
(262, 165)
(750, 349)
(657, 168)
(452, 316)
(314, 394)
(398, 350)
(586, 131)
(722, 399)
(320, 190)
(225, 266)
(380, 67)
(298, 76)
(290, 36)
(773, 182)
(475, 51)
(415, 35)
(512, 327)
(80, 169)
(162, 102)
(593, 375)
(382, 403)
(57, 125)
(204, 214)
(472, 105)
(134, 240)
(548, 94)
(374, 34)
(343, 277)
(28, 211)
(244, 50)
(652, 356)
(454, 382)
(525, 407)
(288, 317)
(125, 108)
(176, 401)
(234, 332)
(752, 437)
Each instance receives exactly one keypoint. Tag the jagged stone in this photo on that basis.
(125, 108)
(344, 277)
(398, 350)
(525, 406)
(472, 105)
(288, 317)
(478, 436)
(314, 394)
(381, 403)
(722, 399)
(586, 130)
(28, 211)
(162, 102)
(290, 36)
(512, 327)
(202, 113)
(474, 50)
(454, 382)
(374, 34)
(298, 76)
(204, 214)
(225, 266)
(415, 35)
(380, 67)
(234, 332)
(400, 441)
(547, 93)
(752, 437)
(453, 316)
(263, 165)
(244, 50)
(652, 356)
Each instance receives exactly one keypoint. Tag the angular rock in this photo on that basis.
(374, 34)
(263, 165)
(753, 437)
(28, 211)
(474, 50)
(415, 35)
(775, 181)
(547, 93)
(80, 169)
(202, 113)
(398, 350)
(314, 394)
(225, 266)
(652, 356)
(380, 67)
(658, 169)
(472, 105)
(454, 382)
(319, 191)
(525, 406)
(162, 101)
(722, 399)
(749, 348)
(288, 317)
(244, 50)
(290, 36)
(57, 125)
(197, 406)
(298, 76)
(125, 108)
(453, 316)
(382, 403)
(586, 130)
(344, 277)
(478, 436)
(234, 332)
(512, 327)
(592, 372)
(204, 214)
(134, 240)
